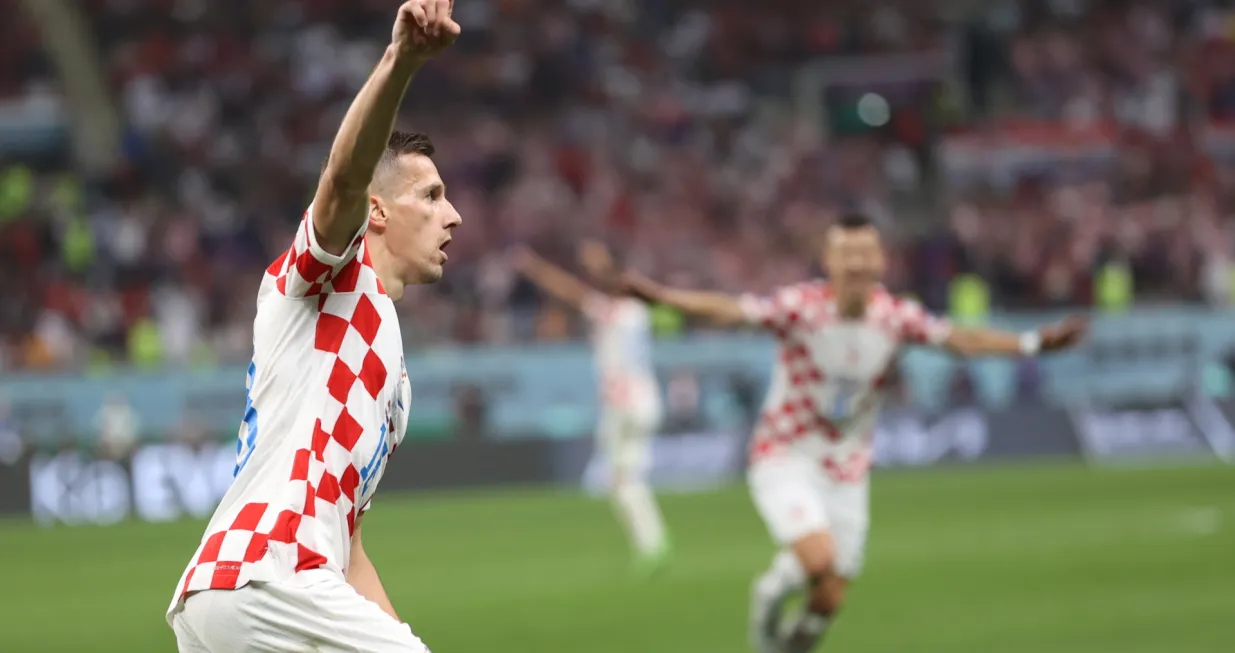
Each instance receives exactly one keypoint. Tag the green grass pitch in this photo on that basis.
(1046, 558)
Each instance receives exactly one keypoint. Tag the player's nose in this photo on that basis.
(453, 219)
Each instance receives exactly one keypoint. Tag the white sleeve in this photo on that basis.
(306, 269)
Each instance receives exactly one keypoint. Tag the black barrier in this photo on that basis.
(470, 463)
(907, 439)
(164, 482)
(1177, 429)
(161, 482)
(903, 438)
(15, 487)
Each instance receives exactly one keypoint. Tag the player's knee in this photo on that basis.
(828, 594)
(817, 555)
(620, 482)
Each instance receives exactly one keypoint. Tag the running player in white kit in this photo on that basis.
(281, 566)
(811, 449)
(629, 395)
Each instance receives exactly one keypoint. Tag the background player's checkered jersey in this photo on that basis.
(327, 404)
(830, 374)
(622, 339)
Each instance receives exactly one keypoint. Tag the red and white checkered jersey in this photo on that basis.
(622, 339)
(328, 396)
(831, 372)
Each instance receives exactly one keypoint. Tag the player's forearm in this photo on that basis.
(990, 342)
(717, 308)
(344, 187)
(362, 576)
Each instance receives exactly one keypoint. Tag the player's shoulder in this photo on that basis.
(905, 305)
(896, 310)
(805, 293)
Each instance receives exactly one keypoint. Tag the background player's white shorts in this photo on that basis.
(625, 439)
(795, 497)
(317, 611)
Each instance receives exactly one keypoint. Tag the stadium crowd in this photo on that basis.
(659, 126)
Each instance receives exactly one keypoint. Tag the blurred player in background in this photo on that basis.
(811, 450)
(629, 396)
(281, 566)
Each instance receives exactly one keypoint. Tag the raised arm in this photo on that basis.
(553, 280)
(718, 308)
(422, 29)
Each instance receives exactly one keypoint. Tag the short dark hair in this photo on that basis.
(402, 142)
(854, 221)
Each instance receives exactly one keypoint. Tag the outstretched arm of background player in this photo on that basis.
(992, 342)
(362, 576)
(422, 29)
(717, 308)
(552, 279)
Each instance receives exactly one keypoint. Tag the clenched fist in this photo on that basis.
(424, 28)
(1062, 335)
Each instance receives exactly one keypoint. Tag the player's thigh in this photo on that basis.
(787, 497)
(246, 620)
(187, 640)
(848, 507)
(354, 624)
(626, 440)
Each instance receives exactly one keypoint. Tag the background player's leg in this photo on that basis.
(784, 578)
(786, 495)
(832, 560)
(633, 498)
(826, 590)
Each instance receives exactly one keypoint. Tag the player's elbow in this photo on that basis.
(338, 211)
(723, 314)
(344, 182)
(959, 351)
(959, 346)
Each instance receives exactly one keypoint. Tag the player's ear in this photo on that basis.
(377, 214)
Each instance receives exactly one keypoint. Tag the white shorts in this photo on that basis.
(625, 439)
(318, 611)
(795, 498)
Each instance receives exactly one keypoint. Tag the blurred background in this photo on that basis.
(1025, 159)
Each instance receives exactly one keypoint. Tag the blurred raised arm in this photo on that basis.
(718, 308)
(555, 281)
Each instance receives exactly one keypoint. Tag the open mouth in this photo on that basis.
(442, 248)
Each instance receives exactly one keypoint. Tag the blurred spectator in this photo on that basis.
(118, 427)
(1073, 153)
(471, 412)
(682, 401)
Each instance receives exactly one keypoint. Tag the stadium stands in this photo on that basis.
(1053, 157)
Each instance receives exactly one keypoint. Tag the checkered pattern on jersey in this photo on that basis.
(329, 477)
(791, 313)
(907, 320)
(307, 270)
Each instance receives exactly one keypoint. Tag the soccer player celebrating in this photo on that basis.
(811, 448)
(281, 566)
(629, 397)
